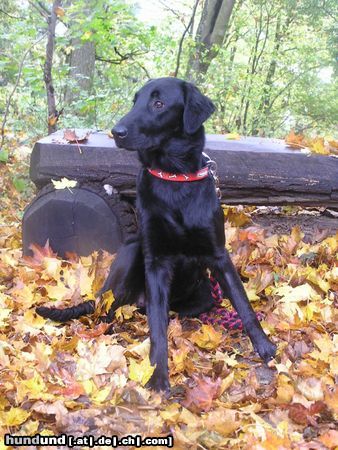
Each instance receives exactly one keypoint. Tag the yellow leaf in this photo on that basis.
(107, 300)
(59, 11)
(58, 292)
(140, 372)
(232, 136)
(251, 293)
(207, 337)
(33, 388)
(189, 418)
(179, 358)
(125, 312)
(316, 278)
(100, 395)
(317, 145)
(285, 390)
(86, 35)
(52, 267)
(230, 360)
(171, 413)
(86, 282)
(64, 183)
(325, 346)
(98, 359)
(223, 421)
(14, 417)
(227, 382)
(141, 349)
(4, 315)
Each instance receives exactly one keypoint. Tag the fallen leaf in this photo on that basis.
(140, 372)
(200, 397)
(207, 337)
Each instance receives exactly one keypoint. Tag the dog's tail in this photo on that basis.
(125, 279)
(63, 315)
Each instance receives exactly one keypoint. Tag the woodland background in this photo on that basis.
(269, 66)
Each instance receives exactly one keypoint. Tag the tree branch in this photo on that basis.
(180, 45)
(47, 70)
(8, 103)
(10, 15)
(121, 59)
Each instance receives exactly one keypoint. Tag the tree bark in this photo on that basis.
(210, 35)
(82, 58)
(47, 71)
(82, 67)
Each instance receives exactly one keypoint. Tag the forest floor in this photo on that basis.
(76, 380)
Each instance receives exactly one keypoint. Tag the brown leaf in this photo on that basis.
(298, 413)
(59, 11)
(201, 396)
(71, 136)
(294, 140)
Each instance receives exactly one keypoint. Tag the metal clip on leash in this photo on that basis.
(213, 170)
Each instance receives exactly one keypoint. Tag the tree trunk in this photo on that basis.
(209, 37)
(47, 71)
(82, 66)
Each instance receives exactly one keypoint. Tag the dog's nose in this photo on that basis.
(120, 131)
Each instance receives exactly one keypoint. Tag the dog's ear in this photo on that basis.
(197, 108)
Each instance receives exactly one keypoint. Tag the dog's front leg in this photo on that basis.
(158, 276)
(232, 286)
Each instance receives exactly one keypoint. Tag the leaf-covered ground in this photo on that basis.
(74, 379)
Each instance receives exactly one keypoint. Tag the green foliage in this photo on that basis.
(276, 69)
(3, 156)
(20, 184)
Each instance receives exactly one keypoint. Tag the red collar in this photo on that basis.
(199, 175)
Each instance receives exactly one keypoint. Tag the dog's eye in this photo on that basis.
(158, 104)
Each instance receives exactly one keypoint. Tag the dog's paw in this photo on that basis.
(159, 382)
(266, 349)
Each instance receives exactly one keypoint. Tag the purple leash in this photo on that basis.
(219, 314)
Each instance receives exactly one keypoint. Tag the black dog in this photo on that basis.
(181, 229)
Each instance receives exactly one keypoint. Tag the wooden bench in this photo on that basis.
(99, 212)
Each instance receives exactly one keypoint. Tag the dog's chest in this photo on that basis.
(178, 219)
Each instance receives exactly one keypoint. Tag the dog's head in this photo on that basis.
(163, 108)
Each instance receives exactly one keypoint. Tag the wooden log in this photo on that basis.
(78, 221)
(254, 171)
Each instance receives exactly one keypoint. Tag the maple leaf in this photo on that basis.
(71, 135)
(98, 358)
(39, 254)
(140, 372)
(125, 312)
(64, 183)
(295, 140)
(317, 145)
(171, 413)
(201, 396)
(207, 337)
(14, 417)
(179, 358)
(222, 420)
